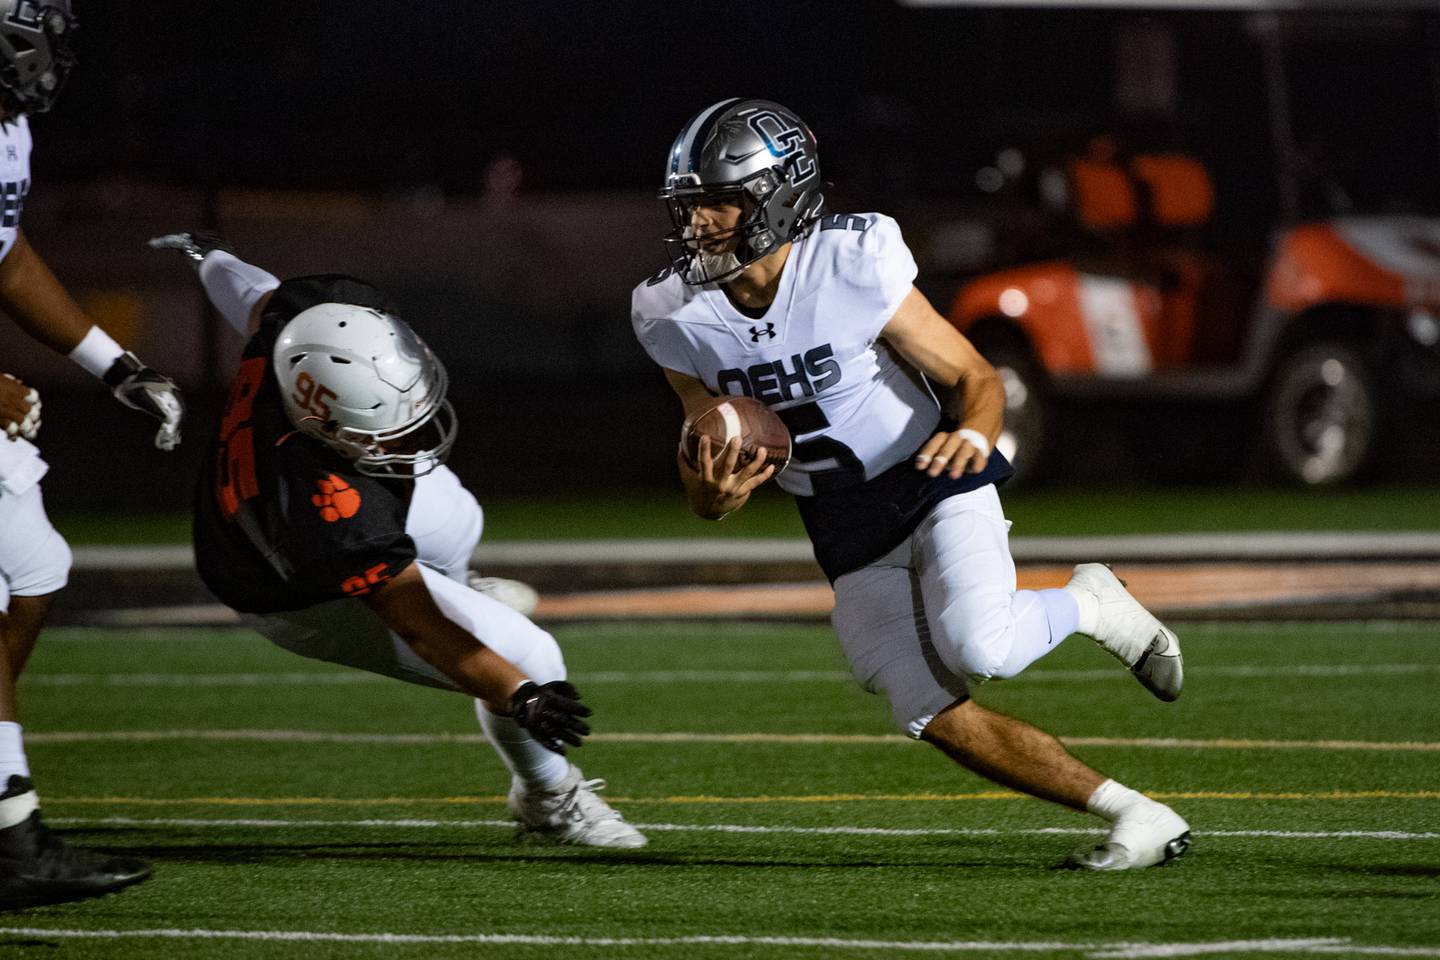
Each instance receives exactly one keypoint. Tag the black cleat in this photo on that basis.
(37, 867)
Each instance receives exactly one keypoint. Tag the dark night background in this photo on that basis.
(497, 162)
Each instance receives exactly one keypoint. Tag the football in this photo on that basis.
(725, 417)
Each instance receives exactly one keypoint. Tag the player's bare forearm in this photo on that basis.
(406, 606)
(970, 391)
(36, 301)
(977, 401)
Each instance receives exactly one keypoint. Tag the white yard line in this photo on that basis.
(1098, 951)
(1250, 545)
(346, 678)
(737, 828)
(894, 739)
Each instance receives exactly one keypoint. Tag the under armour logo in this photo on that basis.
(10, 153)
(756, 332)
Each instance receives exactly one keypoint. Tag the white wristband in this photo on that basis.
(977, 440)
(97, 352)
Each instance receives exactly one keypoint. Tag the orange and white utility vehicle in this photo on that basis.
(1304, 332)
(1317, 345)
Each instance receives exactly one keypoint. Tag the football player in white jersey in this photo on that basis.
(36, 866)
(893, 416)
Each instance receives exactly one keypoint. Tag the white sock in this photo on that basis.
(535, 767)
(18, 809)
(1111, 799)
(12, 753)
(234, 287)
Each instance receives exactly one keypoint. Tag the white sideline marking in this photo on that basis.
(1246, 545)
(1097, 951)
(725, 828)
(308, 677)
(349, 677)
(894, 739)
(1229, 946)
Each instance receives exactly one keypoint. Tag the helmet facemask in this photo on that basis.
(35, 53)
(695, 257)
(404, 453)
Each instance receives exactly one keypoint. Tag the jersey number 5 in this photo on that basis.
(847, 470)
(235, 473)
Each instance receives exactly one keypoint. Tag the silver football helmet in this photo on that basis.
(35, 55)
(758, 152)
(361, 382)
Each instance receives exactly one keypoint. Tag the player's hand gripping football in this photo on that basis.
(19, 408)
(140, 388)
(551, 713)
(727, 482)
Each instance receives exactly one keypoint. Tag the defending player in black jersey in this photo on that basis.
(325, 514)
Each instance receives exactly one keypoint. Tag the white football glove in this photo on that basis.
(29, 426)
(140, 388)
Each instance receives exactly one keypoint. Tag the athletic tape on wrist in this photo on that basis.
(977, 439)
(97, 353)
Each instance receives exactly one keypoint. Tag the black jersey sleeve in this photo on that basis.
(299, 294)
(346, 534)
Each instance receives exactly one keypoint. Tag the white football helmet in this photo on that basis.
(364, 384)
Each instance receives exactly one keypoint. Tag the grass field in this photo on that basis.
(1052, 511)
(786, 819)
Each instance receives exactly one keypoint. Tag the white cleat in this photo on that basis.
(1146, 835)
(518, 596)
(573, 813)
(1131, 633)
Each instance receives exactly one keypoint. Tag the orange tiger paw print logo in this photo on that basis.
(337, 500)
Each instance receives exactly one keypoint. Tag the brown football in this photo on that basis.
(725, 417)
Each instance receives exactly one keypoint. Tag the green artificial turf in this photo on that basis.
(385, 834)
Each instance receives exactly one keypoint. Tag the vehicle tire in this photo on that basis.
(1026, 439)
(1322, 413)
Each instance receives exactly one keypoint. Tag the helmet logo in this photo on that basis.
(786, 140)
(337, 500)
(312, 396)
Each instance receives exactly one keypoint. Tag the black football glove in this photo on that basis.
(140, 388)
(196, 244)
(550, 713)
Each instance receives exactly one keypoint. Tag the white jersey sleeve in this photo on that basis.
(878, 275)
(14, 179)
(651, 306)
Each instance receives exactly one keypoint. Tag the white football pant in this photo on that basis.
(445, 522)
(941, 609)
(34, 558)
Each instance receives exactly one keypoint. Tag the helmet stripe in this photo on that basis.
(692, 138)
